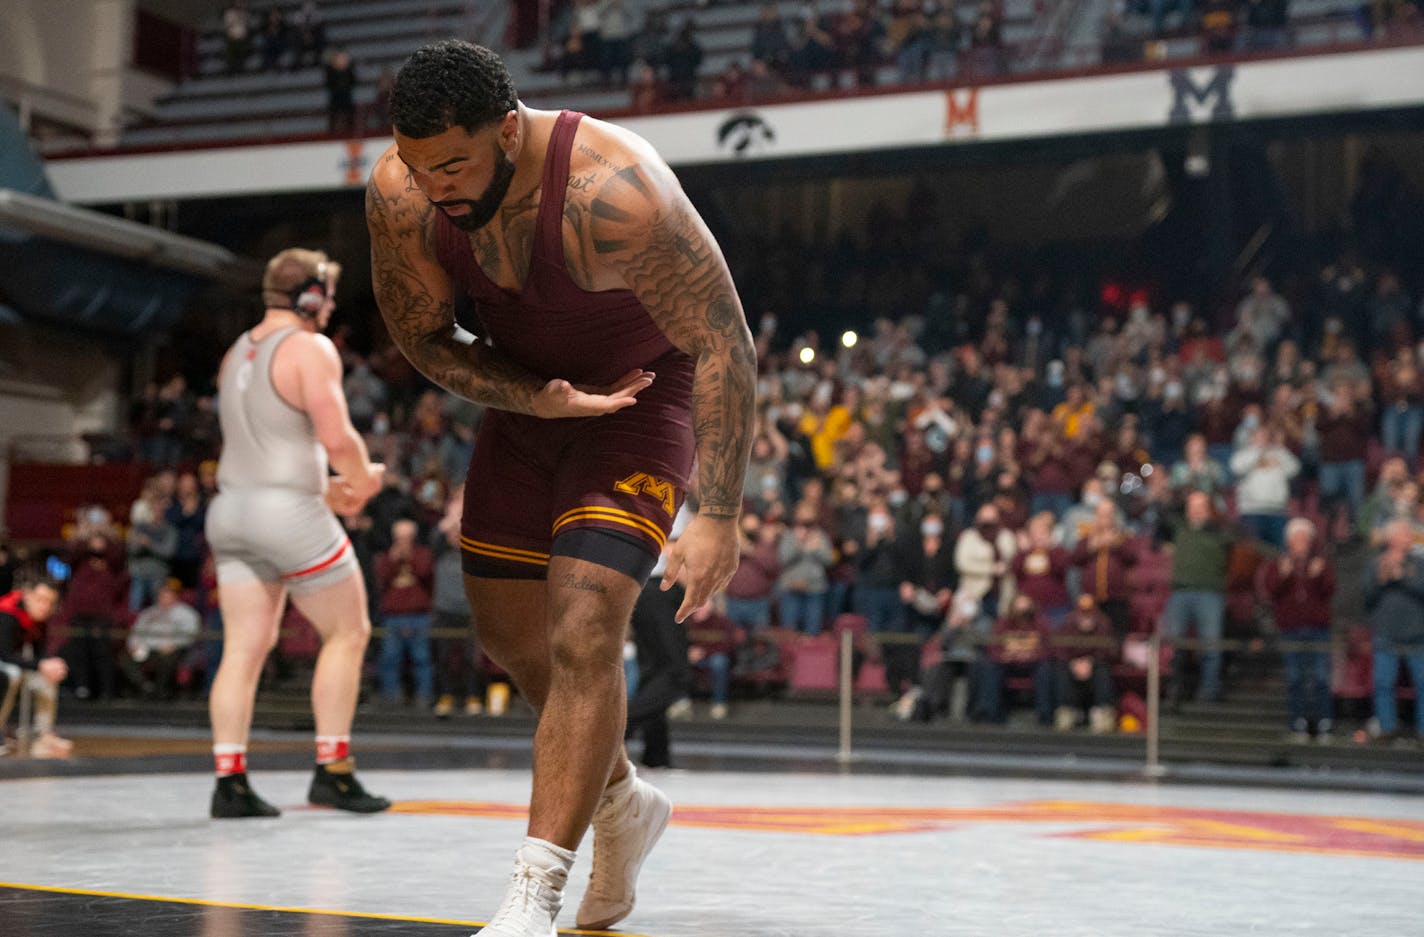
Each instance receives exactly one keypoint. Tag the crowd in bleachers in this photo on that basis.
(649, 54)
(661, 58)
(1004, 491)
(866, 43)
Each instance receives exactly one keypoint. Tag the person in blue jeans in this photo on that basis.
(1021, 645)
(406, 575)
(1201, 548)
(1394, 596)
(712, 640)
(1345, 426)
(1402, 413)
(749, 593)
(805, 553)
(1300, 585)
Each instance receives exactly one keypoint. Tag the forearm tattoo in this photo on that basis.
(420, 317)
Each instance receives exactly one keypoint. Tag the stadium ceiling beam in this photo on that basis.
(117, 237)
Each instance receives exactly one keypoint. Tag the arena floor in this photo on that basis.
(749, 854)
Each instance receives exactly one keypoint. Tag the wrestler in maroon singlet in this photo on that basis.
(532, 479)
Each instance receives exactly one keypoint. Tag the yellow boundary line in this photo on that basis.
(93, 893)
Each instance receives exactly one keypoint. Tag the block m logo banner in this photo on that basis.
(961, 113)
(1194, 103)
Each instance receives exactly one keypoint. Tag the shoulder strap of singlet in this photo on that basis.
(555, 185)
(452, 246)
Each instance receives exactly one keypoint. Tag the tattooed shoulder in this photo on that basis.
(595, 156)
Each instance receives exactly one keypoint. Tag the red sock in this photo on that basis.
(332, 748)
(230, 759)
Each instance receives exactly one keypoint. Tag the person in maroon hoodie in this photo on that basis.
(1103, 556)
(1085, 649)
(753, 584)
(23, 614)
(1019, 646)
(97, 588)
(1041, 568)
(1300, 586)
(406, 574)
(1345, 426)
(1049, 470)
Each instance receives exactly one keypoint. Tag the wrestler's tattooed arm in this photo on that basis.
(415, 297)
(643, 225)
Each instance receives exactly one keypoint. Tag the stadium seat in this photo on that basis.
(870, 682)
(813, 668)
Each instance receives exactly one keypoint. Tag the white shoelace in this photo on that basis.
(531, 893)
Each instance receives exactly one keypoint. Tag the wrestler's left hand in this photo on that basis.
(703, 559)
(341, 499)
(345, 498)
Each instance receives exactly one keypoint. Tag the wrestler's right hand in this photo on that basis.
(559, 399)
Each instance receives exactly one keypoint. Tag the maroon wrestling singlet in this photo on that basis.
(531, 480)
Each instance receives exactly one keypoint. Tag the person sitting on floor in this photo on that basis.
(23, 614)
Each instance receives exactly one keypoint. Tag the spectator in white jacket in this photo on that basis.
(1264, 469)
(984, 556)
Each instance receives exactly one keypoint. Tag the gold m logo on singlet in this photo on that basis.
(641, 483)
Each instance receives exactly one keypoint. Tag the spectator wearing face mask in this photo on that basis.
(805, 554)
(1168, 421)
(928, 576)
(879, 565)
(983, 558)
(1020, 646)
(1085, 649)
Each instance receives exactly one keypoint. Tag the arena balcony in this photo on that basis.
(212, 104)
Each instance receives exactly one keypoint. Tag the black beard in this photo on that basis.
(482, 210)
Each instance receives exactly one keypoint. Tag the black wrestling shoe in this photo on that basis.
(343, 791)
(234, 798)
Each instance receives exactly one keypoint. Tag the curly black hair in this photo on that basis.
(447, 84)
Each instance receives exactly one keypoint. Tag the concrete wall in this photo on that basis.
(68, 61)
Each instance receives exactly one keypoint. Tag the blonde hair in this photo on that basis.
(292, 267)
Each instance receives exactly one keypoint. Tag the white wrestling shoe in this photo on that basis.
(530, 905)
(625, 829)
